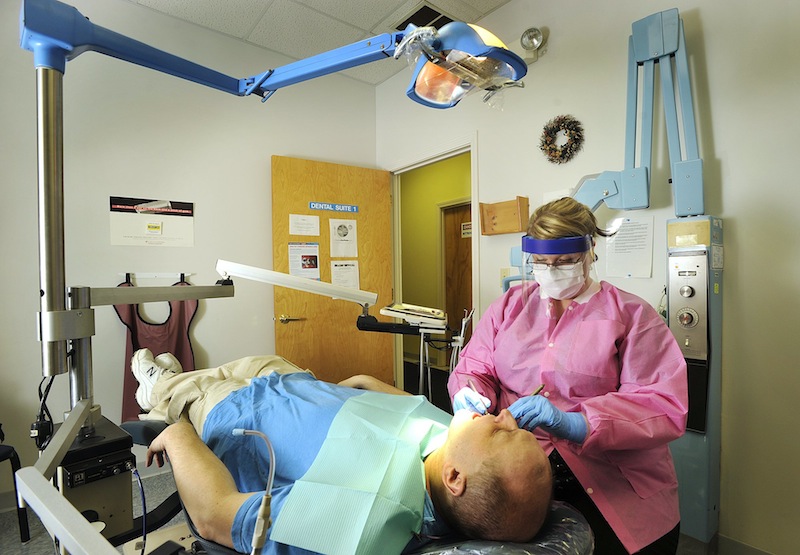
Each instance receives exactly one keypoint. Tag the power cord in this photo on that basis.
(144, 508)
(263, 520)
(42, 428)
(662, 304)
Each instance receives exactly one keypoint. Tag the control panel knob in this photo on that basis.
(687, 291)
(687, 317)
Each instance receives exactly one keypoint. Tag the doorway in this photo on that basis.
(434, 228)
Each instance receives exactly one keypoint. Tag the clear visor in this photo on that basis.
(555, 268)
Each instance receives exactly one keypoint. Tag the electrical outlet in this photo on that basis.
(507, 272)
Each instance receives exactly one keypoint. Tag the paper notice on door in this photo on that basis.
(304, 260)
(344, 238)
(303, 224)
(345, 273)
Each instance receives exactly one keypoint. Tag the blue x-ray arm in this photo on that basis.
(657, 38)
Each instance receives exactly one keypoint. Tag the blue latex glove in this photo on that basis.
(536, 411)
(467, 398)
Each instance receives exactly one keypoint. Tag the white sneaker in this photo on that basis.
(168, 362)
(148, 370)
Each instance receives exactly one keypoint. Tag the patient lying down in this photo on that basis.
(360, 466)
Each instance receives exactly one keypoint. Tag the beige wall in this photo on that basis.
(746, 81)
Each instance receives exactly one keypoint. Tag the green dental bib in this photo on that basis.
(364, 493)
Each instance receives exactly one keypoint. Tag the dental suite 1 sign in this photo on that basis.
(351, 208)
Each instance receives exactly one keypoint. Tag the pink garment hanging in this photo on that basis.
(170, 336)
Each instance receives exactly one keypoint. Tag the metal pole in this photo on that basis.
(50, 147)
(80, 376)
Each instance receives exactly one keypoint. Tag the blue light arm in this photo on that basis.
(345, 57)
(657, 38)
(57, 33)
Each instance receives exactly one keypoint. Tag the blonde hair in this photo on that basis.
(565, 217)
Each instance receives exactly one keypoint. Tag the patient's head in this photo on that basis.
(496, 479)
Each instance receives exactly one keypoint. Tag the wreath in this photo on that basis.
(572, 129)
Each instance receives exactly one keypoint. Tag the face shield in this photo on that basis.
(559, 266)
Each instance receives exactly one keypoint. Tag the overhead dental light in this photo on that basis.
(456, 60)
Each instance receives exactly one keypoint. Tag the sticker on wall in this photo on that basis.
(151, 222)
(344, 238)
(352, 208)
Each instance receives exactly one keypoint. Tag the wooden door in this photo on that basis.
(458, 264)
(325, 338)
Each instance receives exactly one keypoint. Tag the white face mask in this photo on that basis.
(559, 283)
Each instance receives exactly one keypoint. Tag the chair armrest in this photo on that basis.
(143, 432)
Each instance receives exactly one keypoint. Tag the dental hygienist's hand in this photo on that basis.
(536, 411)
(467, 398)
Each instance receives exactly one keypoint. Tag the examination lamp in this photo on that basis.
(457, 59)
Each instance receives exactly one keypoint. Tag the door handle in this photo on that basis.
(284, 319)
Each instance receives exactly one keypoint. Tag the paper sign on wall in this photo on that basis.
(151, 222)
(630, 249)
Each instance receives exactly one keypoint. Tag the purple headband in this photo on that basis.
(565, 245)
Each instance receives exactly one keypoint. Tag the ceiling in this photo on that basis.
(301, 28)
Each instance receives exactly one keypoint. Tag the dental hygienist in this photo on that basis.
(615, 386)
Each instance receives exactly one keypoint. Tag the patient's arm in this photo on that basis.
(371, 383)
(205, 485)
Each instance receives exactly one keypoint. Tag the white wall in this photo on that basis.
(746, 83)
(134, 132)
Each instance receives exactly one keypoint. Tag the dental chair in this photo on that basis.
(565, 531)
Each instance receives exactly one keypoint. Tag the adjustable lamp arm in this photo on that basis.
(657, 38)
(57, 33)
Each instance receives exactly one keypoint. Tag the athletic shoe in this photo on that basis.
(148, 370)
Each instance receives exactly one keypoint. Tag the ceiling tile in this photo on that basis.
(364, 14)
(232, 18)
(299, 32)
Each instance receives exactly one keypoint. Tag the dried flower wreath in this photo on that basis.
(572, 130)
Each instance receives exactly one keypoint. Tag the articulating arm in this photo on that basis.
(656, 39)
(57, 33)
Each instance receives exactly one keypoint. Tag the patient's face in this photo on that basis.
(481, 436)
(517, 459)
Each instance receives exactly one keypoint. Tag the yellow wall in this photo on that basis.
(421, 192)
